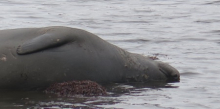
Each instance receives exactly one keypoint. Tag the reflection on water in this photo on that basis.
(37, 99)
(186, 33)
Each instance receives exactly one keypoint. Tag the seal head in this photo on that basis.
(171, 73)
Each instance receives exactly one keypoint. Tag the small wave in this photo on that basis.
(213, 3)
(143, 10)
(116, 34)
(189, 74)
(135, 22)
(47, 4)
(193, 39)
(13, 2)
(131, 40)
(207, 21)
(215, 31)
(164, 41)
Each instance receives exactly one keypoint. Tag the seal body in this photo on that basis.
(38, 57)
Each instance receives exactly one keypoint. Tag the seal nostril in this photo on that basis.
(176, 77)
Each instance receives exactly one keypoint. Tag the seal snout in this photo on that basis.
(171, 73)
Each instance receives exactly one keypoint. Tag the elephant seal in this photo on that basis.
(38, 57)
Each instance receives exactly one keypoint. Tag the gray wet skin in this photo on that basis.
(38, 57)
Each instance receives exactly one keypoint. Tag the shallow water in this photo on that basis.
(185, 33)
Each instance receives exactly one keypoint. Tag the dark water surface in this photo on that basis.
(185, 33)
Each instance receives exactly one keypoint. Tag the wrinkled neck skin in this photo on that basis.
(145, 69)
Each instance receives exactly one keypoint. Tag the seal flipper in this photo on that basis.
(39, 43)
